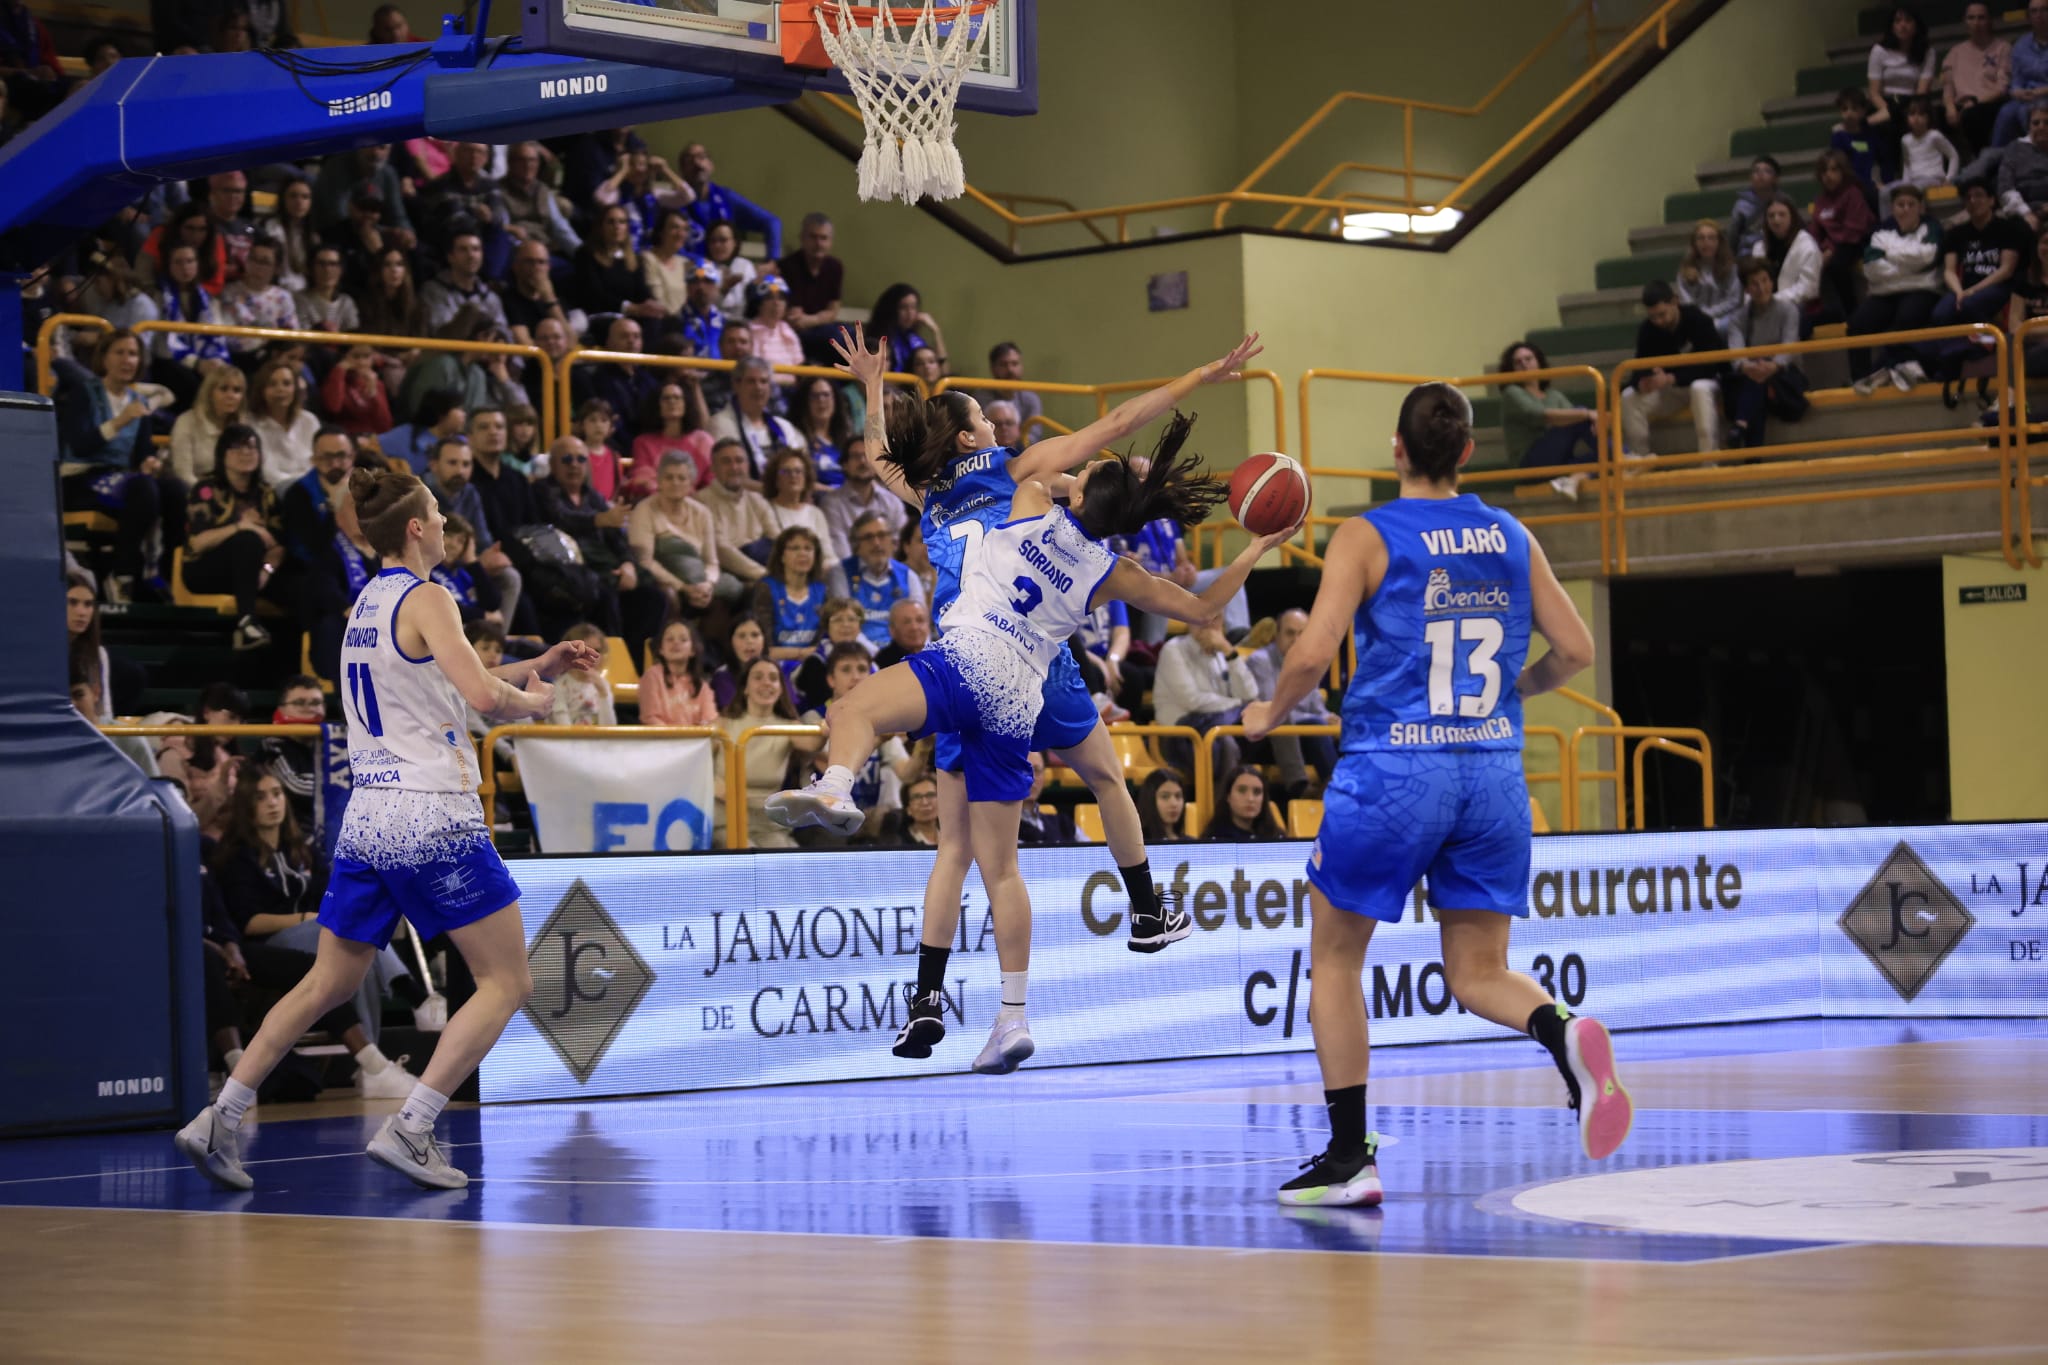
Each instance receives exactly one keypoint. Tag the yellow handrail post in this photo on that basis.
(1618, 774)
(1702, 758)
(2019, 474)
(1552, 733)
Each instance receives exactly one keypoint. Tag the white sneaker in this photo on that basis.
(394, 1082)
(431, 1014)
(250, 634)
(1867, 385)
(1566, 487)
(1907, 375)
(215, 1149)
(815, 805)
(417, 1157)
(1009, 1047)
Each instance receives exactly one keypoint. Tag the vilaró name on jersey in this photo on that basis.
(1465, 540)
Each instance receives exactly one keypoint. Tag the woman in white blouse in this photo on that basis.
(321, 304)
(277, 403)
(222, 393)
(735, 272)
(1793, 253)
(1901, 66)
(665, 265)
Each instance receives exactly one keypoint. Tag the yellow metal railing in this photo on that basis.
(2016, 494)
(736, 774)
(1627, 797)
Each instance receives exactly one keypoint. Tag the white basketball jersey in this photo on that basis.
(1029, 584)
(406, 721)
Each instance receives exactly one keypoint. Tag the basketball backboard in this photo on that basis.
(742, 39)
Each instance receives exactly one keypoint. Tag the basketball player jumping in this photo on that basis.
(413, 841)
(1442, 591)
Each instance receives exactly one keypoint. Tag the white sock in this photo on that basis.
(422, 1107)
(371, 1060)
(837, 780)
(1013, 997)
(235, 1099)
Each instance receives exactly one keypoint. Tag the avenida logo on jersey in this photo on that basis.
(587, 980)
(1441, 598)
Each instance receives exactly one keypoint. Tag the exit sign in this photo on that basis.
(1991, 592)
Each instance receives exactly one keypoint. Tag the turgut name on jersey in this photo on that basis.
(1054, 574)
(1465, 540)
(1500, 727)
(360, 637)
(974, 464)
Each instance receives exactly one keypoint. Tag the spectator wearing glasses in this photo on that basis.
(675, 541)
(532, 212)
(775, 341)
(321, 305)
(626, 607)
(872, 577)
(529, 297)
(858, 495)
(235, 531)
(826, 425)
(749, 420)
(307, 504)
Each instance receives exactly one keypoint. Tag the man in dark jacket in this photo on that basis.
(1672, 329)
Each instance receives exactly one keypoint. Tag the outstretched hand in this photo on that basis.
(1263, 544)
(856, 359)
(569, 654)
(1232, 365)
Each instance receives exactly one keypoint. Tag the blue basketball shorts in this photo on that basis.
(995, 758)
(1066, 716)
(1460, 819)
(363, 903)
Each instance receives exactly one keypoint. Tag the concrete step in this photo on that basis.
(1783, 139)
(1604, 336)
(1659, 239)
(1600, 305)
(2008, 24)
(1637, 271)
(1732, 173)
(1717, 204)
(1842, 414)
(1938, 15)
(1799, 107)
(1831, 80)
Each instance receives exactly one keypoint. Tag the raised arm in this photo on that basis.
(1353, 566)
(868, 367)
(431, 616)
(1147, 591)
(1057, 453)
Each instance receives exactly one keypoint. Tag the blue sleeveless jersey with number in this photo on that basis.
(970, 499)
(1441, 644)
(796, 618)
(875, 599)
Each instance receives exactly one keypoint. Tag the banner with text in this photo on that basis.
(656, 974)
(619, 795)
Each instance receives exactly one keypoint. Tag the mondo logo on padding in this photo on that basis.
(587, 980)
(1906, 922)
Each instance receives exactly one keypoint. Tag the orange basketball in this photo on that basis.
(1268, 493)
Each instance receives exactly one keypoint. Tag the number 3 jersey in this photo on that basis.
(1441, 644)
(407, 727)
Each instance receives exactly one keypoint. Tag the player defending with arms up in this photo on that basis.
(413, 841)
(1441, 590)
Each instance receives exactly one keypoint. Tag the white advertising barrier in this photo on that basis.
(662, 973)
(623, 795)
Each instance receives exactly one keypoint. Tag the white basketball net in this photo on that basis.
(907, 83)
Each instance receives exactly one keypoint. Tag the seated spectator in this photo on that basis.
(644, 186)
(436, 417)
(1842, 223)
(606, 275)
(227, 205)
(1929, 158)
(810, 682)
(1100, 647)
(876, 781)
(532, 213)
(1746, 225)
(597, 426)
(625, 606)
(678, 426)
(115, 292)
(910, 629)
(749, 420)
(235, 531)
(88, 657)
(1774, 386)
(189, 225)
(1294, 753)
(917, 824)
(277, 410)
(1706, 276)
(2029, 77)
(1006, 361)
(667, 265)
(790, 599)
(926, 365)
(1163, 806)
(1976, 78)
(1035, 823)
(1793, 254)
(625, 389)
(2023, 171)
(388, 306)
(762, 699)
(219, 404)
(826, 426)
(715, 203)
(1201, 683)
(817, 281)
(551, 335)
(109, 461)
(362, 238)
(703, 321)
(1901, 66)
(583, 696)
(899, 316)
(1542, 427)
(675, 541)
(859, 494)
(29, 61)
(307, 505)
(292, 229)
(1246, 815)
(746, 643)
(529, 296)
(775, 341)
(476, 597)
(1979, 258)
(593, 159)
(1672, 329)
(2030, 301)
(736, 344)
(448, 479)
(292, 761)
(506, 499)
(873, 578)
(720, 249)
(1870, 161)
(353, 393)
(388, 25)
(342, 564)
(100, 52)
(676, 688)
(1003, 420)
(1901, 268)
(321, 305)
(183, 358)
(461, 287)
(790, 487)
(488, 639)
(465, 199)
(745, 526)
(522, 438)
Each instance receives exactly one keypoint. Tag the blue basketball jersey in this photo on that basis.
(797, 620)
(1441, 644)
(966, 502)
(875, 599)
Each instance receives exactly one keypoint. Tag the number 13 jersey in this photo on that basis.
(1441, 644)
(407, 726)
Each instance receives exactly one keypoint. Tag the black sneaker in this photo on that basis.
(1331, 1179)
(925, 1026)
(1150, 933)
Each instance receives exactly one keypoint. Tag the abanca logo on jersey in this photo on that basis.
(1439, 597)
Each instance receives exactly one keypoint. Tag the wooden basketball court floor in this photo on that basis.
(1793, 1194)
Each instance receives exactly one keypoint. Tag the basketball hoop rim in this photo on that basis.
(867, 16)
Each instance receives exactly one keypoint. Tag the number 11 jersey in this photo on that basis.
(1441, 644)
(407, 726)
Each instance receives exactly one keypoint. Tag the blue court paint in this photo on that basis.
(1132, 1155)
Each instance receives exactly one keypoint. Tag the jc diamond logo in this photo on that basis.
(586, 981)
(1906, 921)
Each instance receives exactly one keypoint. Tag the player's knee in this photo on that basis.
(518, 985)
(1469, 971)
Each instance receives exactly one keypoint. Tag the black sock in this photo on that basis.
(931, 969)
(1546, 1026)
(1347, 1118)
(1138, 884)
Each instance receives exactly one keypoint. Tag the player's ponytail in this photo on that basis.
(386, 502)
(924, 436)
(1435, 429)
(1118, 501)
